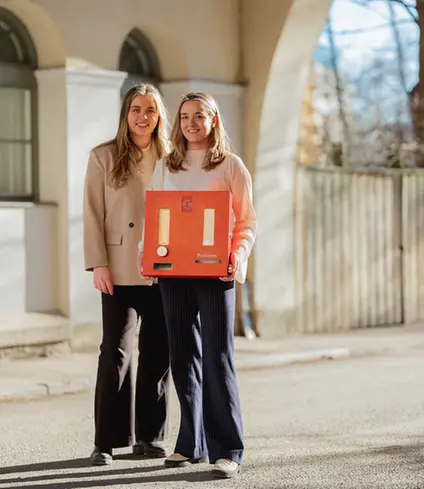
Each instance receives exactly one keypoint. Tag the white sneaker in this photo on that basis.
(225, 468)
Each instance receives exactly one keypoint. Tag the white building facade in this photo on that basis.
(63, 67)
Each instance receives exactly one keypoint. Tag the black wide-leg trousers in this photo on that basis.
(122, 417)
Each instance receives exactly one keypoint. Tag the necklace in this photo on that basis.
(139, 167)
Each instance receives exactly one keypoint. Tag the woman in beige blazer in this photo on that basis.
(118, 174)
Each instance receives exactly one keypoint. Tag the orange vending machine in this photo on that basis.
(187, 233)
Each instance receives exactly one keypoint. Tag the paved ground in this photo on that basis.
(353, 423)
(71, 373)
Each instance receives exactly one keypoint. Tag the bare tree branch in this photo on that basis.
(368, 29)
(366, 4)
(339, 90)
(401, 68)
(408, 7)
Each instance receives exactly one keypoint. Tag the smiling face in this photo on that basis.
(196, 124)
(143, 116)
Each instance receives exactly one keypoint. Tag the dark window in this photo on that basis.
(18, 100)
(138, 58)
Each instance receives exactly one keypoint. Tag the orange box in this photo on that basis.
(187, 233)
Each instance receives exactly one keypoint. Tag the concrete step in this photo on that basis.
(33, 334)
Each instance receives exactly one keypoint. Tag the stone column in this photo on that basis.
(93, 104)
(52, 177)
(78, 109)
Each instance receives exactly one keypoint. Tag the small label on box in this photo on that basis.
(186, 204)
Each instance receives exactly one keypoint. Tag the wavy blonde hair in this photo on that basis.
(219, 145)
(126, 151)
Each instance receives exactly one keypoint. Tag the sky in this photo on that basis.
(375, 37)
(348, 16)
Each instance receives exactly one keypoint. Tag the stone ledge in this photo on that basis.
(33, 329)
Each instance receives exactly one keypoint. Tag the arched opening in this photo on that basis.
(359, 172)
(358, 111)
(138, 58)
(18, 111)
(276, 66)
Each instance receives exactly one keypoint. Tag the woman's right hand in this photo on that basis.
(140, 266)
(102, 280)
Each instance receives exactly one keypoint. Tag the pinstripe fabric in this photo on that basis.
(200, 320)
(119, 421)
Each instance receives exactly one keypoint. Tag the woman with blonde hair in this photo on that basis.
(118, 173)
(200, 312)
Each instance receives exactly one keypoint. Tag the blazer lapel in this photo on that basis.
(136, 189)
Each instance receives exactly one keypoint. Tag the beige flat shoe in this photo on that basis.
(178, 460)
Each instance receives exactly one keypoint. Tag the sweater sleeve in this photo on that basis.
(95, 254)
(244, 232)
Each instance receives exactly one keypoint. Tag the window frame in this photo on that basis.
(22, 76)
(142, 43)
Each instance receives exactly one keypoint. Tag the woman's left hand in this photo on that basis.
(232, 268)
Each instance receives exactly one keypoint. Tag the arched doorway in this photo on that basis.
(18, 111)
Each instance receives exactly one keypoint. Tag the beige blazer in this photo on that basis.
(113, 219)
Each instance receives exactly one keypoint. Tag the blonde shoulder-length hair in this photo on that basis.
(219, 145)
(126, 151)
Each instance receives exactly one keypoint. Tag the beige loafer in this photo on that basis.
(178, 460)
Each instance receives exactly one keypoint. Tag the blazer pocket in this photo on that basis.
(113, 239)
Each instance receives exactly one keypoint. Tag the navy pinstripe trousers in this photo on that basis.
(200, 320)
